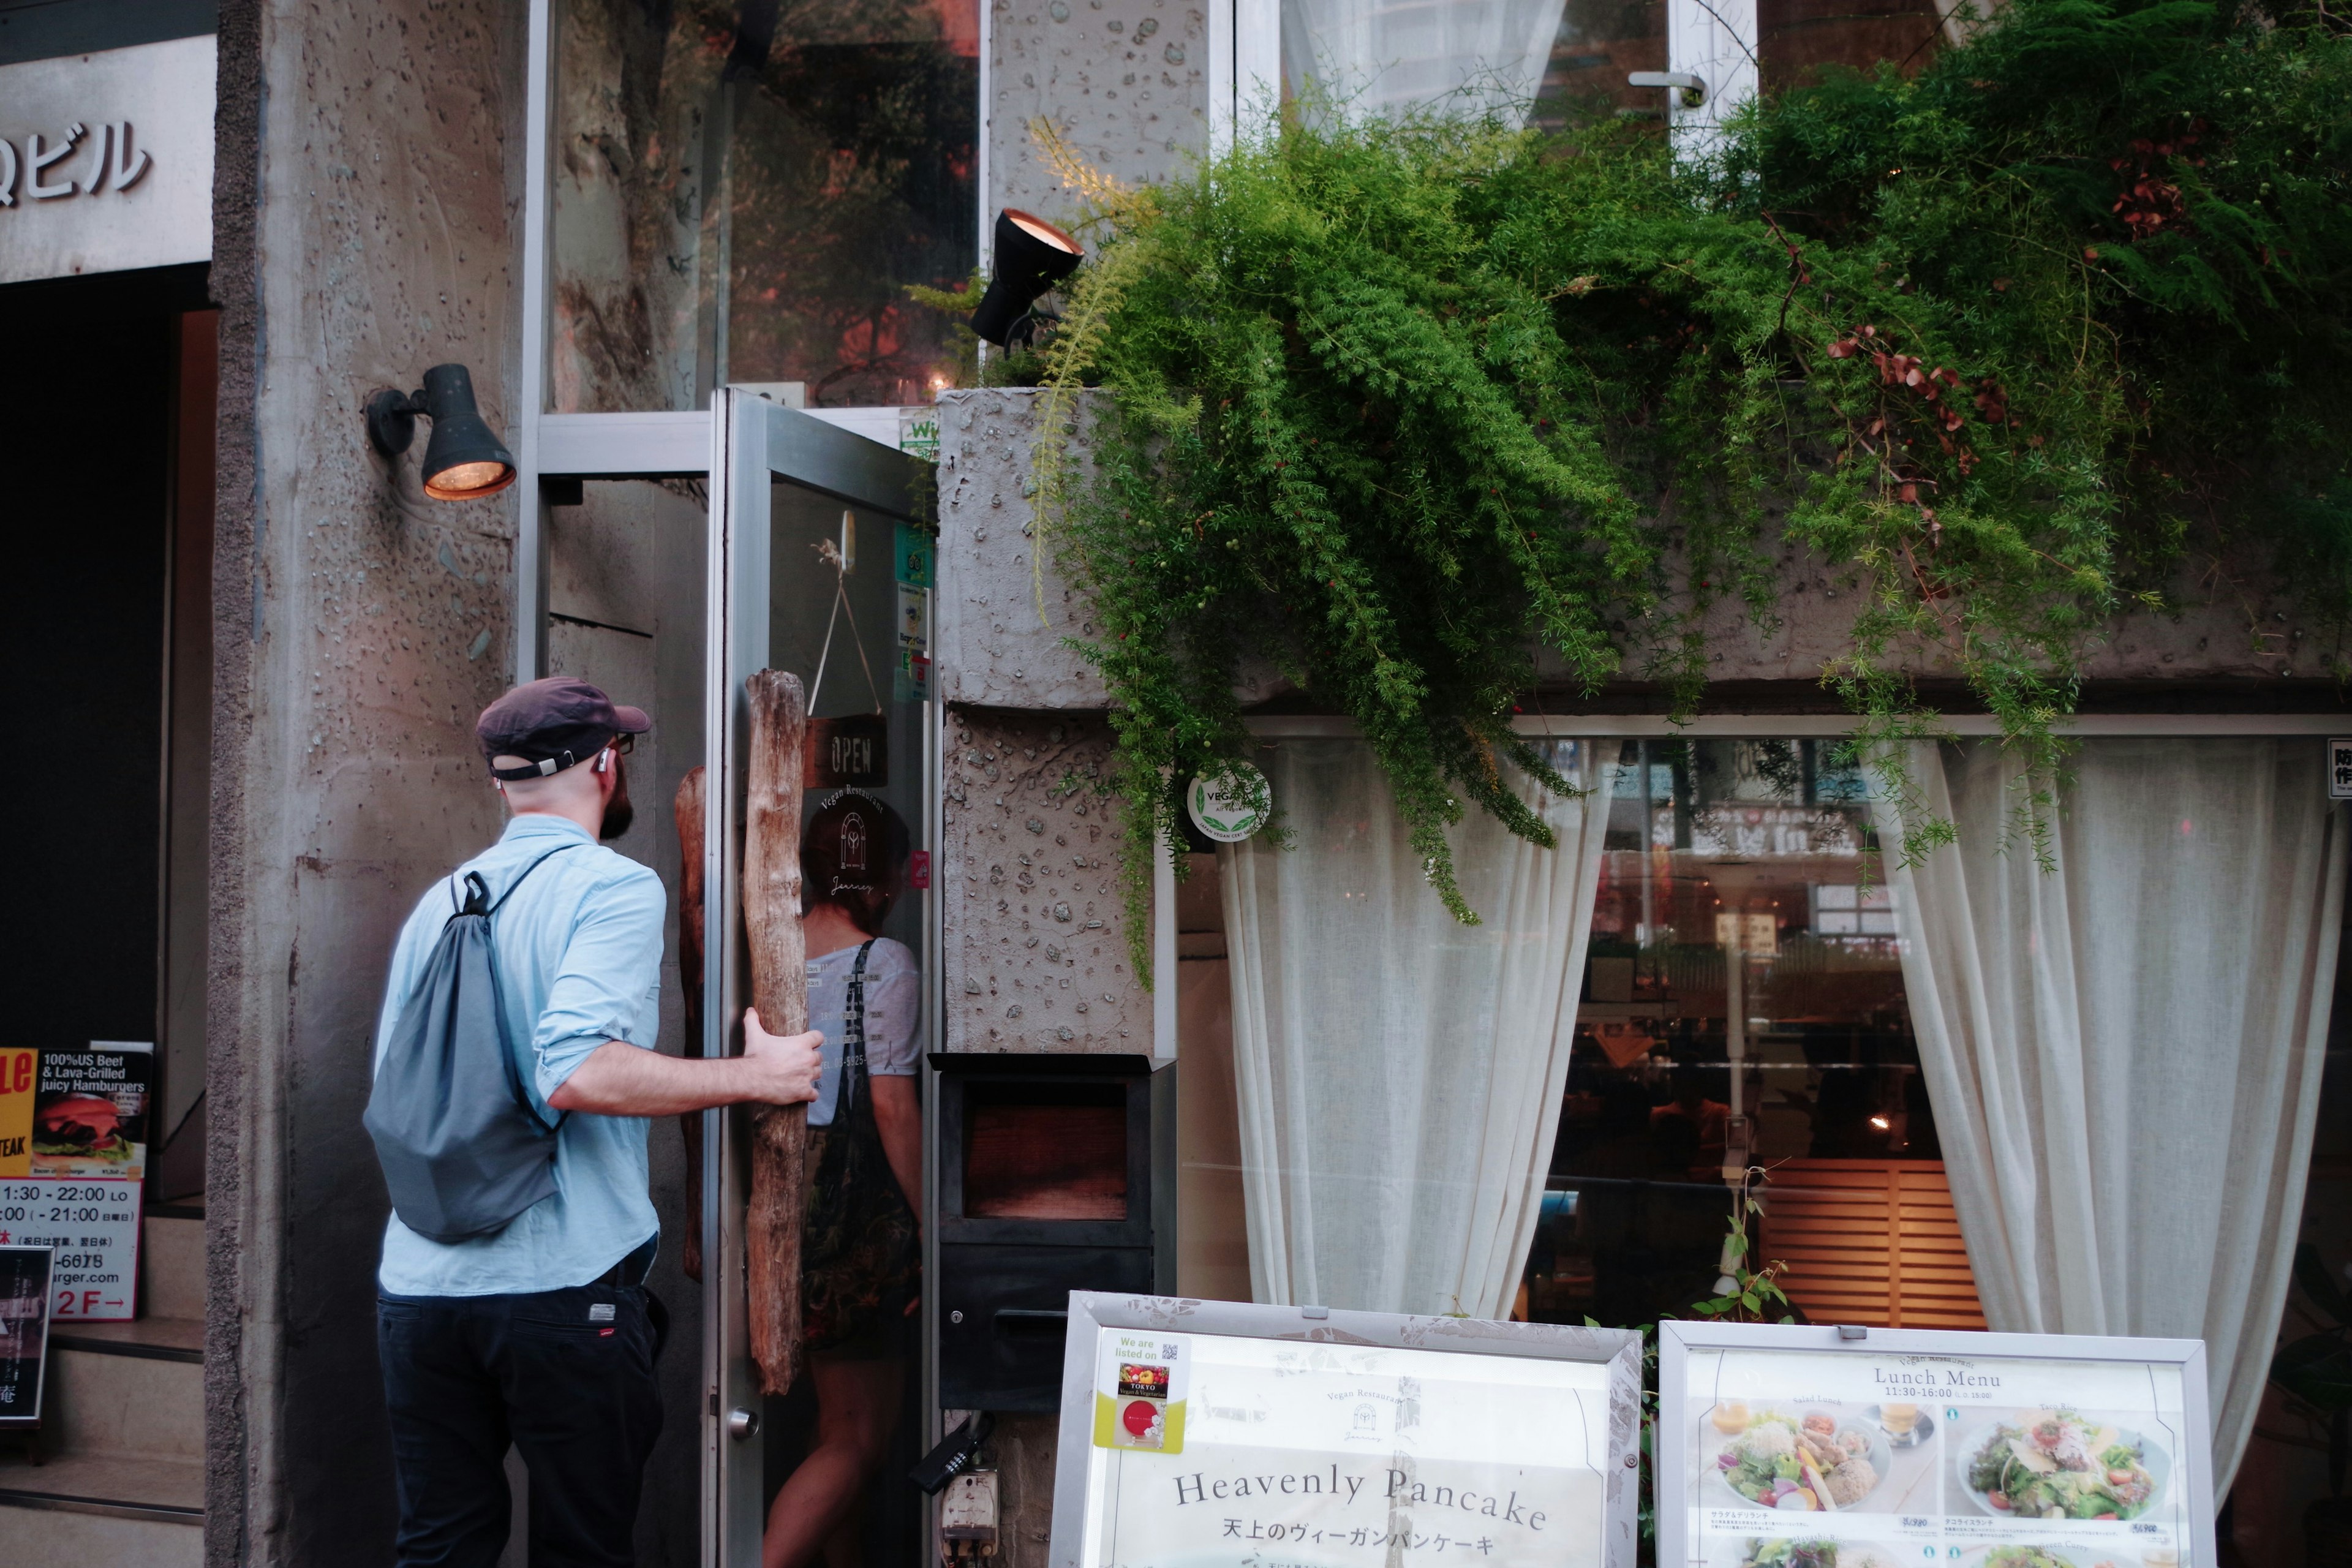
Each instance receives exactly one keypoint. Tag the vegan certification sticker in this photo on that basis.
(1232, 807)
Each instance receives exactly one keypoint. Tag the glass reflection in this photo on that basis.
(742, 193)
(847, 609)
(1743, 1005)
(1569, 60)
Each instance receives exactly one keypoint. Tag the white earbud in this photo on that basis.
(605, 760)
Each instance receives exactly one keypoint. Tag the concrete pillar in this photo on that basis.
(365, 202)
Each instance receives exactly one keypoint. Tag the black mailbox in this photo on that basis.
(1055, 1175)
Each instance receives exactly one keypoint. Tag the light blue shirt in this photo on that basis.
(578, 953)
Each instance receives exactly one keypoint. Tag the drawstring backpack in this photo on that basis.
(463, 1150)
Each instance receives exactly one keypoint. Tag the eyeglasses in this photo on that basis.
(625, 744)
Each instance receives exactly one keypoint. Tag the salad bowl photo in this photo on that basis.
(2060, 1463)
(2049, 1557)
(1816, 1458)
(1799, 1551)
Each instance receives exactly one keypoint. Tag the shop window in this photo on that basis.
(1743, 917)
(1569, 60)
(729, 208)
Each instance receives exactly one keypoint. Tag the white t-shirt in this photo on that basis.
(893, 1004)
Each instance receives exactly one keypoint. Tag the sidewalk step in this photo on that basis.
(170, 1490)
(171, 1264)
(154, 1339)
(116, 1398)
(102, 1510)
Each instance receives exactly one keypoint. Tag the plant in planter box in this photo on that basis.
(1433, 414)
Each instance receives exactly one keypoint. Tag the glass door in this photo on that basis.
(820, 567)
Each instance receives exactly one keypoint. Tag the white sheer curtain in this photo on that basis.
(1383, 56)
(1399, 1075)
(2123, 1051)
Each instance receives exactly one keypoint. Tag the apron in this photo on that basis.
(861, 1257)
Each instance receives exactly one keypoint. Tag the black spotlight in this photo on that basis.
(463, 460)
(1032, 255)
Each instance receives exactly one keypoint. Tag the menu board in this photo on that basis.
(17, 1081)
(80, 1191)
(1938, 1451)
(91, 1115)
(1212, 1449)
(23, 1333)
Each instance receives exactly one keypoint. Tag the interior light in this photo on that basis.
(1881, 1124)
(1032, 255)
(464, 461)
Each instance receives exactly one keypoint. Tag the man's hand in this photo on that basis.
(783, 1067)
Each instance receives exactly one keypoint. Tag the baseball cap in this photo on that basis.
(553, 724)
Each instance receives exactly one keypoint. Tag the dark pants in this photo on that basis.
(566, 1377)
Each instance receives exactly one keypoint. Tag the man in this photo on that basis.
(542, 1334)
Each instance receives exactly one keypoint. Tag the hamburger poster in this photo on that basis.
(90, 1118)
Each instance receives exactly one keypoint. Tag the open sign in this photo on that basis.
(852, 751)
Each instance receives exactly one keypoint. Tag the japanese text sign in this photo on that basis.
(1201, 1432)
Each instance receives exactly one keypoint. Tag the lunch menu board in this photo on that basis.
(1863, 1459)
(1210, 1449)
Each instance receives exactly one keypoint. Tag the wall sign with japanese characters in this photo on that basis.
(1211, 1432)
(106, 160)
(1785, 1446)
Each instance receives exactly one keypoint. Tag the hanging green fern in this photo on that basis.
(1433, 416)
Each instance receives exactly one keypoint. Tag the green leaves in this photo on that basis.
(1433, 416)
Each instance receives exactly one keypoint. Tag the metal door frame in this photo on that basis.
(754, 442)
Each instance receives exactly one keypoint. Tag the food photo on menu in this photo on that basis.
(1819, 1457)
(1799, 1551)
(2056, 1463)
(2069, 1556)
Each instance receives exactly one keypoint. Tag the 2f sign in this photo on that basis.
(18, 1077)
(2339, 769)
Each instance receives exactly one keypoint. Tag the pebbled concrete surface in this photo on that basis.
(1037, 951)
(1125, 80)
(2238, 625)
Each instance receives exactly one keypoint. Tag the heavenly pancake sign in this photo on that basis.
(1330, 1448)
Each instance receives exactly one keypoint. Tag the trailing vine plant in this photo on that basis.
(1437, 415)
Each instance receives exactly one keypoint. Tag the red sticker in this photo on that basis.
(1138, 1416)
(922, 868)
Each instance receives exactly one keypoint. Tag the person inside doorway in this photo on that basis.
(1709, 1119)
(860, 1257)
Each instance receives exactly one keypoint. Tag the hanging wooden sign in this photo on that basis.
(852, 751)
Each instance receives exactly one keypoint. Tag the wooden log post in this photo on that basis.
(687, 810)
(772, 923)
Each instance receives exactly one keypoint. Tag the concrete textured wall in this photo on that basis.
(1124, 81)
(363, 232)
(2247, 631)
(1037, 950)
(991, 644)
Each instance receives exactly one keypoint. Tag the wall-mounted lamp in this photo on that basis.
(1032, 255)
(463, 460)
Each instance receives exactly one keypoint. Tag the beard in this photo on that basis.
(618, 811)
